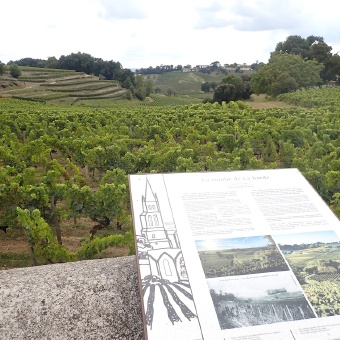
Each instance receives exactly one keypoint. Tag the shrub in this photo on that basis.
(14, 71)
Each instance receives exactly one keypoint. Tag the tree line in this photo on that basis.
(83, 62)
(212, 67)
(297, 63)
(159, 69)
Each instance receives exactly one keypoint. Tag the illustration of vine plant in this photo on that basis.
(166, 288)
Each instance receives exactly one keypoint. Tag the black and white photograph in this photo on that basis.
(258, 300)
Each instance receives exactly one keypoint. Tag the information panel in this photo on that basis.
(241, 255)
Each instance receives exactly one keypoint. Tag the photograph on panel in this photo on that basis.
(240, 256)
(258, 300)
(314, 257)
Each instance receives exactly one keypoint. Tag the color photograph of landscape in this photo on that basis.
(240, 256)
(315, 260)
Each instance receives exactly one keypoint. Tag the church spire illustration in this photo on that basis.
(153, 229)
(161, 264)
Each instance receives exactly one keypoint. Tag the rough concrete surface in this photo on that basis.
(96, 299)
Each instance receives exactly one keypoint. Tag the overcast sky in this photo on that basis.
(143, 33)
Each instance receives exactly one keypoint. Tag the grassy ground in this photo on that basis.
(263, 102)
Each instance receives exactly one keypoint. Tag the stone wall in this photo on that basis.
(96, 299)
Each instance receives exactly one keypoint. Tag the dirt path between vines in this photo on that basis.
(15, 252)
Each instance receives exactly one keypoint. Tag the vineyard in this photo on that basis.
(328, 277)
(65, 167)
(326, 97)
(235, 312)
(317, 270)
(324, 297)
(241, 262)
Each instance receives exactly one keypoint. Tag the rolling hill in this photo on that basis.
(58, 86)
(69, 87)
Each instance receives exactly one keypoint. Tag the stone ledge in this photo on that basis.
(96, 299)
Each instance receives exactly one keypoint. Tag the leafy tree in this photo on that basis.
(294, 44)
(51, 62)
(127, 84)
(205, 87)
(332, 68)
(247, 90)
(255, 66)
(214, 66)
(143, 88)
(321, 52)
(29, 62)
(238, 90)
(15, 71)
(312, 39)
(237, 82)
(213, 85)
(286, 73)
(120, 73)
(2, 68)
(148, 86)
(81, 62)
(225, 93)
(140, 93)
(311, 48)
(284, 84)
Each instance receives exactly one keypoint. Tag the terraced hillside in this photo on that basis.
(52, 85)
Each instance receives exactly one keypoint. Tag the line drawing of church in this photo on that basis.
(166, 291)
(158, 248)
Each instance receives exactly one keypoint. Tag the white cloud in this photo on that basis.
(142, 33)
(255, 15)
(122, 9)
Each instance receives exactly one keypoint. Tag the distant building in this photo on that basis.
(200, 67)
(186, 69)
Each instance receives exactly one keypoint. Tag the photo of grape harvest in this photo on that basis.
(315, 261)
(240, 256)
(258, 300)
